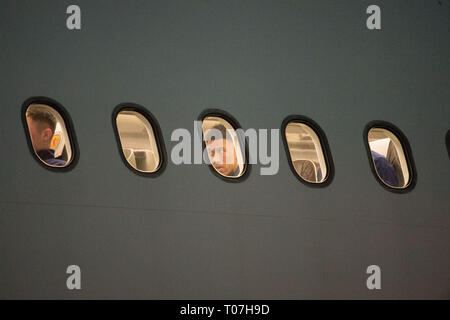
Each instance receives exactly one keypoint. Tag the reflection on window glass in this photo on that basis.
(138, 141)
(388, 158)
(306, 152)
(49, 135)
(223, 147)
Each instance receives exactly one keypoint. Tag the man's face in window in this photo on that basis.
(223, 157)
(40, 134)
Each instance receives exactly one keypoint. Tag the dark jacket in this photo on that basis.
(48, 156)
(385, 170)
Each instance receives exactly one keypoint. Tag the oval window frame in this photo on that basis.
(220, 113)
(406, 151)
(58, 107)
(129, 106)
(323, 142)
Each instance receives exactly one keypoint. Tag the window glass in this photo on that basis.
(223, 148)
(138, 141)
(306, 152)
(388, 158)
(49, 135)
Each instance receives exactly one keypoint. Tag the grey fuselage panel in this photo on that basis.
(186, 234)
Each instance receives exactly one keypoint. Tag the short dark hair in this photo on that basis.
(39, 114)
(211, 133)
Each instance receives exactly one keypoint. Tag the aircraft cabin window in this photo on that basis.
(138, 143)
(389, 158)
(48, 133)
(306, 152)
(223, 147)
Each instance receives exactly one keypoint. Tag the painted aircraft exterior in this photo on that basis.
(186, 234)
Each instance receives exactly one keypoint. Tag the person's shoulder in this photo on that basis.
(56, 162)
(377, 156)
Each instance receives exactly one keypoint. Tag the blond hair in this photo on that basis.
(39, 114)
